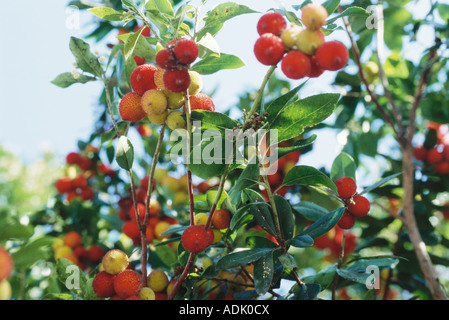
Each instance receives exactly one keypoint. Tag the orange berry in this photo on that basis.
(6, 264)
(221, 219)
(195, 238)
(103, 284)
(127, 283)
(72, 239)
(95, 253)
(313, 16)
(130, 107)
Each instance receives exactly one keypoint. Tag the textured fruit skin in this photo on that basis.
(420, 153)
(186, 51)
(434, 156)
(308, 41)
(175, 120)
(221, 219)
(165, 59)
(175, 100)
(158, 118)
(154, 102)
(160, 228)
(201, 101)
(115, 261)
(332, 55)
(131, 229)
(201, 218)
(347, 220)
(72, 239)
(142, 78)
(315, 70)
(6, 264)
(103, 284)
(195, 239)
(295, 65)
(157, 280)
(95, 253)
(289, 37)
(130, 108)
(346, 187)
(176, 80)
(127, 283)
(147, 294)
(313, 16)
(269, 49)
(271, 22)
(359, 206)
(159, 78)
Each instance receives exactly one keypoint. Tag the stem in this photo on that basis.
(275, 213)
(217, 197)
(339, 264)
(182, 277)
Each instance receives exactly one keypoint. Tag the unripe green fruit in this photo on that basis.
(290, 36)
(175, 120)
(201, 218)
(308, 41)
(154, 102)
(371, 70)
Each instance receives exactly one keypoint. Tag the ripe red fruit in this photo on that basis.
(420, 153)
(6, 264)
(72, 239)
(95, 253)
(221, 219)
(131, 229)
(295, 65)
(195, 239)
(139, 60)
(346, 187)
(359, 206)
(201, 101)
(127, 283)
(165, 59)
(176, 80)
(87, 193)
(434, 156)
(73, 158)
(186, 51)
(271, 22)
(347, 220)
(103, 284)
(332, 55)
(81, 253)
(442, 167)
(63, 185)
(315, 69)
(446, 152)
(269, 49)
(141, 208)
(79, 182)
(142, 78)
(146, 32)
(130, 108)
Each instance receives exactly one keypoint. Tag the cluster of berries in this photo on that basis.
(356, 205)
(332, 241)
(435, 155)
(304, 52)
(71, 247)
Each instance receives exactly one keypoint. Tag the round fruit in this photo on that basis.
(434, 156)
(359, 206)
(115, 261)
(165, 59)
(142, 78)
(446, 152)
(63, 185)
(186, 51)
(160, 228)
(201, 218)
(6, 264)
(308, 41)
(195, 239)
(201, 101)
(442, 167)
(420, 153)
(269, 49)
(332, 55)
(346, 187)
(295, 65)
(72, 239)
(271, 22)
(158, 118)
(130, 107)
(175, 100)
(176, 80)
(131, 229)
(289, 37)
(142, 210)
(157, 280)
(95, 253)
(221, 219)
(103, 284)
(159, 78)
(73, 158)
(313, 16)
(347, 220)
(127, 283)
(5, 290)
(196, 83)
(175, 120)
(146, 294)
(154, 102)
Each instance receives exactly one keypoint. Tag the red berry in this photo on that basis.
(166, 59)
(434, 156)
(176, 80)
(442, 167)
(130, 107)
(146, 31)
(73, 158)
(420, 153)
(142, 78)
(271, 22)
(139, 60)
(201, 101)
(127, 283)
(87, 194)
(347, 220)
(346, 187)
(359, 206)
(269, 49)
(131, 229)
(141, 208)
(95, 253)
(295, 65)
(195, 239)
(63, 185)
(221, 219)
(103, 284)
(446, 152)
(186, 51)
(332, 55)
(315, 69)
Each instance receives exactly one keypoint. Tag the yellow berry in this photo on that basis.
(63, 251)
(154, 102)
(196, 83)
(158, 118)
(157, 280)
(175, 120)
(289, 36)
(5, 290)
(175, 100)
(115, 261)
(158, 78)
(201, 218)
(160, 228)
(313, 16)
(308, 41)
(147, 294)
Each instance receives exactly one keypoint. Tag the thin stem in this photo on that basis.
(339, 264)
(182, 277)
(217, 197)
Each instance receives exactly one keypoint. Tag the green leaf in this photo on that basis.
(343, 166)
(353, 276)
(135, 44)
(263, 216)
(286, 217)
(301, 241)
(241, 258)
(309, 210)
(350, 12)
(125, 153)
(380, 183)
(209, 43)
(249, 177)
(107, 13)
(11, 228)
(324, 224)
(31, 252)
(66, 79)
(275, 106)
(111, 134)
(324, 277)
(71, 276)
(288, 261)
(263, 273)
(163, 6)
(211, 195)
(298, 145)
(362, 264)
(213, 63)
(308, 176)
(215, 18)
(130, 4)
(297, 116)
(213, 120)
(331, 6)
(85, 59)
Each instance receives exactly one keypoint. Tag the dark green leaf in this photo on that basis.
(213, 63)
(310, 210)
(66, 79)
(324, 224)
(85, 59)
(286, 217)
(301, 241)
(262, 214)
(343, 166)
(241, 258)
(263, 273)
(308, 176)
(213, 120)
(380, 183)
